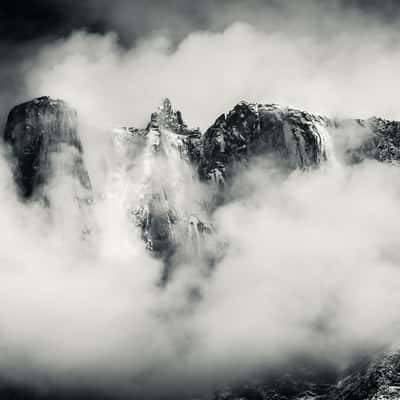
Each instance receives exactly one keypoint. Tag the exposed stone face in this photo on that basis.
(295, 138)
(384, 143)
(378, 379)
(36, 131)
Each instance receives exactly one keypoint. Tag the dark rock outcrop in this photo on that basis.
(296, 139)
(36, 132)
(383, 144)
(377, 379)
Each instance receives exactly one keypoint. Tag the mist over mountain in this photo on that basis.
(231, 239)
(199, 201)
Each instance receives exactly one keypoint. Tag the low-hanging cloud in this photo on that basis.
(312, 265)
(312, 269)
(242, 62)
(207, 73)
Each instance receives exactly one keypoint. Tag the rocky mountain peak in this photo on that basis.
(165, 107)
(295, 138)
(166, 117)
(36, 131)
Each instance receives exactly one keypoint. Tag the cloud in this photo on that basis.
(312, 266)
(330, 75)
(312, 262)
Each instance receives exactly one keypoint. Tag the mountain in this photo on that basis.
(36, 132)
(296, 139)
(170, 179)
(173, 223)
(175, 159)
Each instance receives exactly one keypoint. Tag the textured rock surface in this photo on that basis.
(383, 144)
(36, 132)
(295, 138)
(378, 379)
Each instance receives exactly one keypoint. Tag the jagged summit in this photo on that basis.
(168, 118)
(165, 131)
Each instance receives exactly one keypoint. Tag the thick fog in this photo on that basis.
(311, 266)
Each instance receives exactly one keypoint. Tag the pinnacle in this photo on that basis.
(165, 106)
(167, 117)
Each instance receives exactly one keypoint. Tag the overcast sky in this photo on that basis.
(27, 26)
(24, 21)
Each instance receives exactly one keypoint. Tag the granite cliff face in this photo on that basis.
(166, 176)
(296, 139)
(38, 131)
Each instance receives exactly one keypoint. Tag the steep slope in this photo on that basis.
(378, 379)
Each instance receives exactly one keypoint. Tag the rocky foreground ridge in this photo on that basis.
(176, 226)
